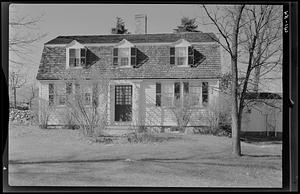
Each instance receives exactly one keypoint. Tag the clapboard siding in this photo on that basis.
(164, 116)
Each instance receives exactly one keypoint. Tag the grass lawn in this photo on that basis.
(61, 157)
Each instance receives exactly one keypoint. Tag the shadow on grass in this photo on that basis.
(262, 156)
(93, 161)
(262, 139)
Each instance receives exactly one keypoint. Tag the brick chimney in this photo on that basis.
(140, 23)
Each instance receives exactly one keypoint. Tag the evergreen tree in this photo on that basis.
(187, 25)
(120, 27)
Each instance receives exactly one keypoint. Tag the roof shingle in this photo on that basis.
(136, 38)
(153, 59)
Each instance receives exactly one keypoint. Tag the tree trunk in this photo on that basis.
(15, 97)
(256, 78)
(234, 114)
(235, 126)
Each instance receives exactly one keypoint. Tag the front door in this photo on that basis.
(123, 103)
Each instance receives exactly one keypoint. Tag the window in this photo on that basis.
(77, 91)
(168, 95)
(124, 57)
(51, 94)
(61, 94)
(176, 93)
(69, 88)
(61, 99)
(87, 99)
(195, 92)
(181, 56)
(77, 57)
(186, 92)
(158, 94)
(204, 93)
(177, 90)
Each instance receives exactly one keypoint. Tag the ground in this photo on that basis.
(62, 157)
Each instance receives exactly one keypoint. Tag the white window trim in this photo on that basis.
(124, 44)
(73, 45)
(164, 94)
(182, 43)
(186, 57)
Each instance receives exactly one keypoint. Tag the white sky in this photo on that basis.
(97, 19)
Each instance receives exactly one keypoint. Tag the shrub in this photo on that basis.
(89, 118)
(45, 112)
(144, 135)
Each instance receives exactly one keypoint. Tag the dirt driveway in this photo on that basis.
(64, 158)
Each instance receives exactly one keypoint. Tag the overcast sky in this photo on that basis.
(97, 19)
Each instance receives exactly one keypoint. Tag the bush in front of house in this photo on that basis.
(144, 134)
(22, 116)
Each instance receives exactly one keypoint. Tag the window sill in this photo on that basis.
(74, 67)
(123, 122)
(128, 66)
(182, 66)
(61, 105)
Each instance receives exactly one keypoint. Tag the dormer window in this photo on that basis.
(181, 53)
(181, 56)
(124, 54)
(77, 57)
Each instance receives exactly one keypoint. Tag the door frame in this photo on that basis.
(123, 100)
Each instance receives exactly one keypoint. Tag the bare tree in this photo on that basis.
(22, 35)
(231, 46)
(181, 108)
(32, 96)
(245, 34)
(87, 104)
(16, 81)
(263, 42)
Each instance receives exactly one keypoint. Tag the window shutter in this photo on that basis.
(133, 56)
(172, 55)
(115, 56)
(191, 55)
(83, 57)
(71, 57)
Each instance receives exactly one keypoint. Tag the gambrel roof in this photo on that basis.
(136, 38)
(153, 57)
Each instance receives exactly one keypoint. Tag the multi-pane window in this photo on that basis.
(186, 92)
(181, 55)
(158, 94)
(77, 91)
(77, 57)
(168, 95)
(195, 92)
(124, 56)
(177, 90)
(204, 93)
(69, 88)
(123, 95)
(61, 99)
(87, 98)
(51, 94)
(61, 94)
